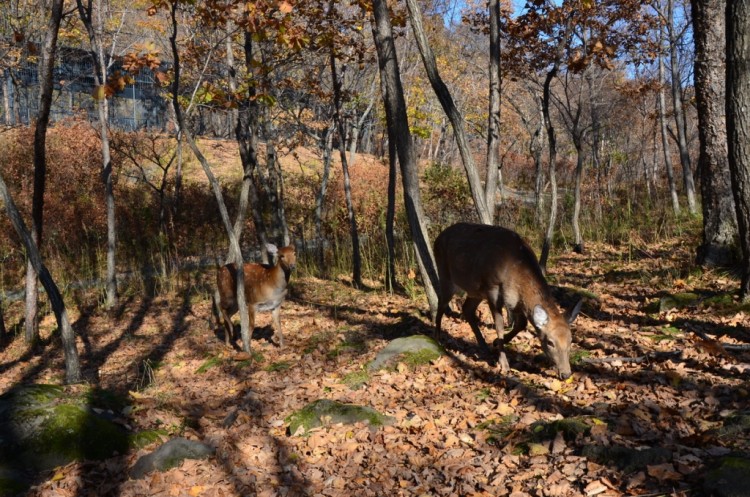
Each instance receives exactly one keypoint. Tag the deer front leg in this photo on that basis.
(469, 311)
(497, 314)
(276, 314)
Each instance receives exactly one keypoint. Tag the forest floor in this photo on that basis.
(643, 379)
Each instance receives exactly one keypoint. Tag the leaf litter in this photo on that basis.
(640, 415)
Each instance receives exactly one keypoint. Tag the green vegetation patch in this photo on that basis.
(146, 437)
(666, 333)
(356, 379)
(278, 366)
(571, 428)
(324, 412)
(210, 363)
(578, 355)
(498, 428)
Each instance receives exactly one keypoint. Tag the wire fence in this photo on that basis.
(139, 105)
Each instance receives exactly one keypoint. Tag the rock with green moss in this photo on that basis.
(43, 426)
(170, 455)
(730, 477)
(676, 301)
(323, 412)
(412, 350)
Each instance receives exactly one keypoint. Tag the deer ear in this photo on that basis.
(271, 248)
(573, 314)
(539, 317)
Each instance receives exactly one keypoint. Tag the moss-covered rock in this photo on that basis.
(170, 455)
(324, 412)
(730, 477)
(676, 301)
(43, 426)
(412, 350)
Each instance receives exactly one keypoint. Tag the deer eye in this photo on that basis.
(550, 344)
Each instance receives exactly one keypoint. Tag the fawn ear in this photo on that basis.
(573, 313)
(271, 248)
(539, 316)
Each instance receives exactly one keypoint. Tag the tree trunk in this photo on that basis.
(450, 109)
(552, 140)
(679, 113)
(6, 83)
(396, 114)
(320, 200)
(100, 79)
(391, 281)
(233, 242)
(338, 119)
(662, 109)
(738, 124)
(719, 218)
(72, 365)
(40, 165)
(578, 238)
(245, 117)
(357, 125)
(493, 125)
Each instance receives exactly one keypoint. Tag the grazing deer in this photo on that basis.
(265, 289)
(495, 264)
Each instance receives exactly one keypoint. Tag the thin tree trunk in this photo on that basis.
(245, 117)
(450, 109)
(662, 109)
(338, 119)
(679, 113)
(320, 199)
(357, 125)
(559, 52)
(394, 100)
(719, 217)
(390, 216)
(72, 365)
(100, 79)
(738, 125)
(6, 83)
(40, 165)
(493, 126)
(234, 243)
(577, 237)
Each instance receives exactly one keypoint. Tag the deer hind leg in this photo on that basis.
(469, 311)
(226, 318)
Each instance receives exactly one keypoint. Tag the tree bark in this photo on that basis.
(679, 113)
(662, 110)
(246, 134)
(72, 365)
(320, 199)
(450, 109)
(339, 120)
(100, 79)
(40, 165)
(395, 102)
(552, 140)
(719, 218)
(493, 125)
(738, 124)
(233, 242)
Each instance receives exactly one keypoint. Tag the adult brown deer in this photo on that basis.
(495, 264)
(265, 290)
